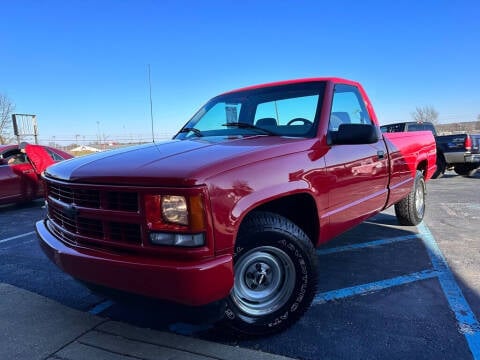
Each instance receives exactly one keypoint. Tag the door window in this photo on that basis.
(347, 108)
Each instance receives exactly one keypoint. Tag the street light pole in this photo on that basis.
(98, 132)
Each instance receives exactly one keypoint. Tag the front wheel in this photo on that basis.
(410, 210)
(275, 270)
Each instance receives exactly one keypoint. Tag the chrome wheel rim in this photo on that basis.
(420, 200)
(264, 280)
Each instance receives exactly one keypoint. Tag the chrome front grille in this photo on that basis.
(77, 225)
(92, 198)
(95, 216)
(81, 197)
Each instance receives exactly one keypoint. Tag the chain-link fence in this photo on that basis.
(78, 143)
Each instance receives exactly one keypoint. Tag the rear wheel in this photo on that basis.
(410, 210)
(441, 166)
(465, 169)
(275, 275)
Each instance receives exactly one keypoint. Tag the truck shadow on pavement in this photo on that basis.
(337, 270)
(395, 299)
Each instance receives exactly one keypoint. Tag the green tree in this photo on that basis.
(425, 114)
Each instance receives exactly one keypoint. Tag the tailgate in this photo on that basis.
(453, 142)
(475, 144)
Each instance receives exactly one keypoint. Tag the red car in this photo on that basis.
(18, 180)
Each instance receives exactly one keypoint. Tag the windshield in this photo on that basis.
(288, 110)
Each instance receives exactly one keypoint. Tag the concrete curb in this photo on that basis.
(35, 327)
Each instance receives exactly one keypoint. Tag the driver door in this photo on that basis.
(358, 173)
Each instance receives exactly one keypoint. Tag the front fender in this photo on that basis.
(258, 198)
(229, 209)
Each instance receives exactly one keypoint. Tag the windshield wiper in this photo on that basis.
(243, 125)
(191, 129)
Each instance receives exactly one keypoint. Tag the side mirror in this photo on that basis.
(351, 134)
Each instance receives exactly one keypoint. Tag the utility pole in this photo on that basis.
(98, 133)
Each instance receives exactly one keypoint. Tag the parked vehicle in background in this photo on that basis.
(18, 180)
(459, 152)
(231, 210)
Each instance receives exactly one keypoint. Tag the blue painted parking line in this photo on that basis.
(188, 329)
(373, 286)
(467, 323)
(99, 308)
(466, 319)
(367, 244)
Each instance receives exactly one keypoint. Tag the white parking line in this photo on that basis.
(16, 237)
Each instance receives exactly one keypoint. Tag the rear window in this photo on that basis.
(401, 127)
(421, 127)
(393, 128)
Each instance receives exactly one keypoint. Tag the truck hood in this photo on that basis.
(173, 163)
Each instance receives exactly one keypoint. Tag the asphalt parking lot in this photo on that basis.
(386, 291)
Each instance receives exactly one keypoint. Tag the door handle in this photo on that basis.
(381, 154)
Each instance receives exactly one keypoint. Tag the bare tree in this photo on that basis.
(6, 110)
(425, 113)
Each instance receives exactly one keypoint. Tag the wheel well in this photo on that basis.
(440, 153)
(422, 166)
(300, 209)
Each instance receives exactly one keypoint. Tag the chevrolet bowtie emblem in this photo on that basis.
(71, 211)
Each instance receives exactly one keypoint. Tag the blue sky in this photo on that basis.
(81, 66)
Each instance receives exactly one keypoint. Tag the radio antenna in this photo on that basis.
(151, 104)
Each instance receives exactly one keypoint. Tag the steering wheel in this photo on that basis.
(299, 119)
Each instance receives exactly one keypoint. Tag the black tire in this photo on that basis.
(276, 271)
(441, 167)
(465, 169)
(411, 209)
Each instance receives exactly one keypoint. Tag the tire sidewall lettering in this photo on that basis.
(302, 273)
(266, 229)
(229, 314)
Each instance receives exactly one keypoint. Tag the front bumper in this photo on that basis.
(186, 282)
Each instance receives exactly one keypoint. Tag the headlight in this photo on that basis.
(176, 220)
(174, 209)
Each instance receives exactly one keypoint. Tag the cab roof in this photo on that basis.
(294, 81)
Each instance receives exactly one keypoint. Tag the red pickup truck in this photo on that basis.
(232, 208)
